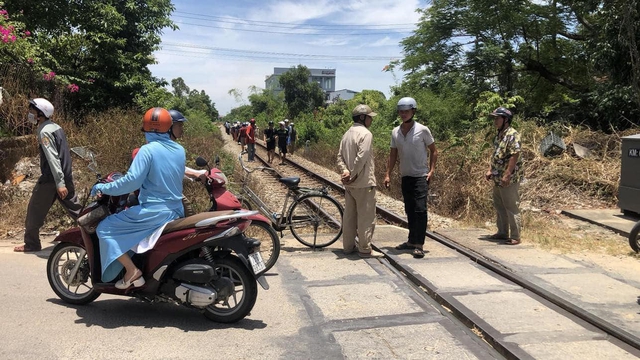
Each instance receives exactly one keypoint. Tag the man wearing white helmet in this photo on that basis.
(282, 134)
(55, 182)
(414, 145)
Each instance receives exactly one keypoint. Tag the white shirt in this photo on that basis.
(412, 149)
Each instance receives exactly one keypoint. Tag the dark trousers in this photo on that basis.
(251, 149)
(414, 193)
(42, 198)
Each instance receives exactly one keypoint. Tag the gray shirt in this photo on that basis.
(412, 149)
(55, 157)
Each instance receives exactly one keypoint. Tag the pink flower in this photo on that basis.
(13, 38)
(30, 60)
(3, 12)
(27, 33)
(73, 88)
(49, 76)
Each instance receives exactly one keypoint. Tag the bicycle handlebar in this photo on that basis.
(249, 171)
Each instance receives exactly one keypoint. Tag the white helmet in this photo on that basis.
(43, 105)
(407, 103)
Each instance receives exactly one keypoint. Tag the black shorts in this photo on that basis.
(283, 149)
(271, 145)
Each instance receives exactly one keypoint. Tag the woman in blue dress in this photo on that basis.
(157, 171)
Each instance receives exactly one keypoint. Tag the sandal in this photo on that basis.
(405, 246)
(26, 249)
(418, 253)
(512, 242)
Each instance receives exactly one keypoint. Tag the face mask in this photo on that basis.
(32, 118)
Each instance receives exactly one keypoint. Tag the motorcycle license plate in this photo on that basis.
(256, 262)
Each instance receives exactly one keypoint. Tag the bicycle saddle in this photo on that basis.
(291, 182)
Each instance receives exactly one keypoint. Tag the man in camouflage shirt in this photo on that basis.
(506, 172)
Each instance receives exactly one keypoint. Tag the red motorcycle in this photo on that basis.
(223, 199)
(203, 261)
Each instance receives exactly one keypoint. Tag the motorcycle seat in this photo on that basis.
(291, 182)
(191, 221)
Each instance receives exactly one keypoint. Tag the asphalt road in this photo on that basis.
(321, 305)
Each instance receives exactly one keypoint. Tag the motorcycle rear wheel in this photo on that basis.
(243, 297)
(269, 242)
(79, 290)
(634, 237)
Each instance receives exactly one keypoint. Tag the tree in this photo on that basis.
(103, 46)
(300, 94)
(567, 58)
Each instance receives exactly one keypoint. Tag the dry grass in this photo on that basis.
(562, 182)
(112, 135)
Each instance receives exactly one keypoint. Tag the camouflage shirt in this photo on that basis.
(505, 147)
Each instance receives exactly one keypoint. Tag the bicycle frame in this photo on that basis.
(278, 220)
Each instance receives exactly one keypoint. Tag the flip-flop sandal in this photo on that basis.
(25, 249)
(512, 242)
(405, 246)
(418, 253)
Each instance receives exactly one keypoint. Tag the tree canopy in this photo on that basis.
(101, 49)
(300, 94)
(568, 59)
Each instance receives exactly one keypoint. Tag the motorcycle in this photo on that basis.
(203, 261)
(223, 199)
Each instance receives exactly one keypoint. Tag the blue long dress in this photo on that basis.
(157, 171)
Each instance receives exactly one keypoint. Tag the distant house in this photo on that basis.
(326, 78)
(344, 94)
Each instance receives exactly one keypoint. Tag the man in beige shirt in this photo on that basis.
(355, 159)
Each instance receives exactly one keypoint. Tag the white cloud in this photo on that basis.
(216, 72)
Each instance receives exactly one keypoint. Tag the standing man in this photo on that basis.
(413, 144)
(506, 171)
(293, 136)
(269, 137)
(282, 135)
(56, 181)
(251, 140)
(355, 160)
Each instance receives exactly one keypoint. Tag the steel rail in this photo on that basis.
(497, 268)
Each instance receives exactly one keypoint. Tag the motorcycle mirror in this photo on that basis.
(217, 161)
(201, 162)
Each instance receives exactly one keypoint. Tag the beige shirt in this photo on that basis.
(356, 155)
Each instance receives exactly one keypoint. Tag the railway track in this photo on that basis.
(555, 302)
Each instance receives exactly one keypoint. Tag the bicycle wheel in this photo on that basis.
(316, 220)
(269, 242)
(634, 237)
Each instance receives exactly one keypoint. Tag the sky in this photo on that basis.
(223, 45)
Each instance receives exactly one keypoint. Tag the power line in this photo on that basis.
(295, 27)
(279, 54)
(297, 33)
(289, 24)
(256, 58)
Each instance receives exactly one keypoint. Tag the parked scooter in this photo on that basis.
(223, 199)
(203, 261)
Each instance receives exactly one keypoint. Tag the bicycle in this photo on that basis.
(314, 217)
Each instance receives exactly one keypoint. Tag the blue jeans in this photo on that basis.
(251, 148)
(414, 193)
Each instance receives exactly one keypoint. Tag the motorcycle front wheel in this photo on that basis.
(237, 291)
(634, 237)
(79, 289)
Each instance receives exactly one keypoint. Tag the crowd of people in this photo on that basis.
(285, 137)
(158, 168)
